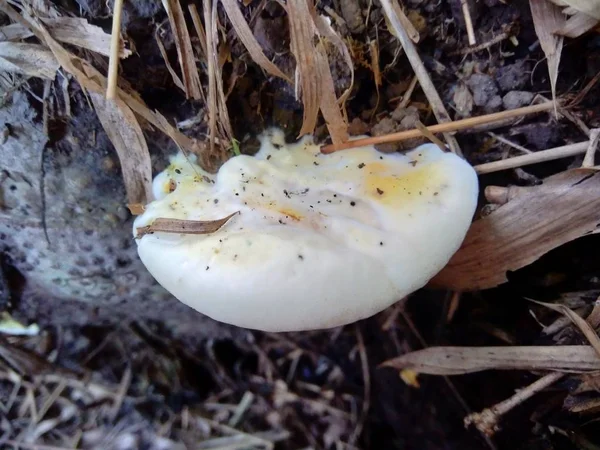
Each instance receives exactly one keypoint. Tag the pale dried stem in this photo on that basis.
(456, 125)
(468, 22)
(588, 160)
(533, 158)
(427, 86)
(115, 43)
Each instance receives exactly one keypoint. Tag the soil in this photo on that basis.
(77, 275)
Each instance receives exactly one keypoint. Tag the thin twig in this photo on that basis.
(588, 87)
(487, 420)
(485, 45)
(533, 158)
(364, 360)
(468, 22)
(115, 42)
(588, 160)
(509, 142)
(409, 92)
(440, 112)
(456, 125)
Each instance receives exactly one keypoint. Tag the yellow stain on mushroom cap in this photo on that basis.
(398, 189)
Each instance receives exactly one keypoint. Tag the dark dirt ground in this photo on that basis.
(293, 376)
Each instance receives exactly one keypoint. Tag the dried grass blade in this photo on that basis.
(165, 57)
(199, 28)
(577, 25)
(336, 124)
(14, 32)
(547, 18)
(412, 32)
(180, 226)
(589, 333)
(245, 35)
(32, 60)
(461, 360)
(79, 32)
(326, 30)
(185, 53)
(565, 207)
(301, 34)
(125, 133)
(589, 7)
(213, 109)
(224, 122)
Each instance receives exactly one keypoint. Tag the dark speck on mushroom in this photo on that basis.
(352, 203)
(379, 191)
(381, 157)
(381, 243)
(207, 267)
(301, 257)
(177, 171)
(216, 200)
(361, 165)
(268, 157)
(315, 163)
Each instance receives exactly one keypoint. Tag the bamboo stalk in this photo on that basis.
(115, 43)
(456, 125)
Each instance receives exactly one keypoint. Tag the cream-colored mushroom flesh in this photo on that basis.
(319, 241)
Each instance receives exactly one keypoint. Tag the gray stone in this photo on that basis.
(494, 104)
(483, 88)
(517, 99)
(513, 76)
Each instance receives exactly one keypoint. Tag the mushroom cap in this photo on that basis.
(320, 240)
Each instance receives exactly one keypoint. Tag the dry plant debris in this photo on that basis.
(530, 221)
(139, 388)
(564, 207)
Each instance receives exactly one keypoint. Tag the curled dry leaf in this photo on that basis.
(461, 360)
(127, 137)
(245, 35)
(548, 18)
(565, 207)
(180, 226)
(32, 60)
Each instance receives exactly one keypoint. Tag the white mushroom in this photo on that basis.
(319, 240)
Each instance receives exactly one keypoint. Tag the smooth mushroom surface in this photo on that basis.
(318, 241)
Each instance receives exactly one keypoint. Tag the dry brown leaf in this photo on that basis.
(565, 207)
(185, 53)
(245, 35)
(180, 226)
(32, 60)
(127, 137)
(337, 126)
(461, 360)
(308, 87)
(581, 323)
(547, 18)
